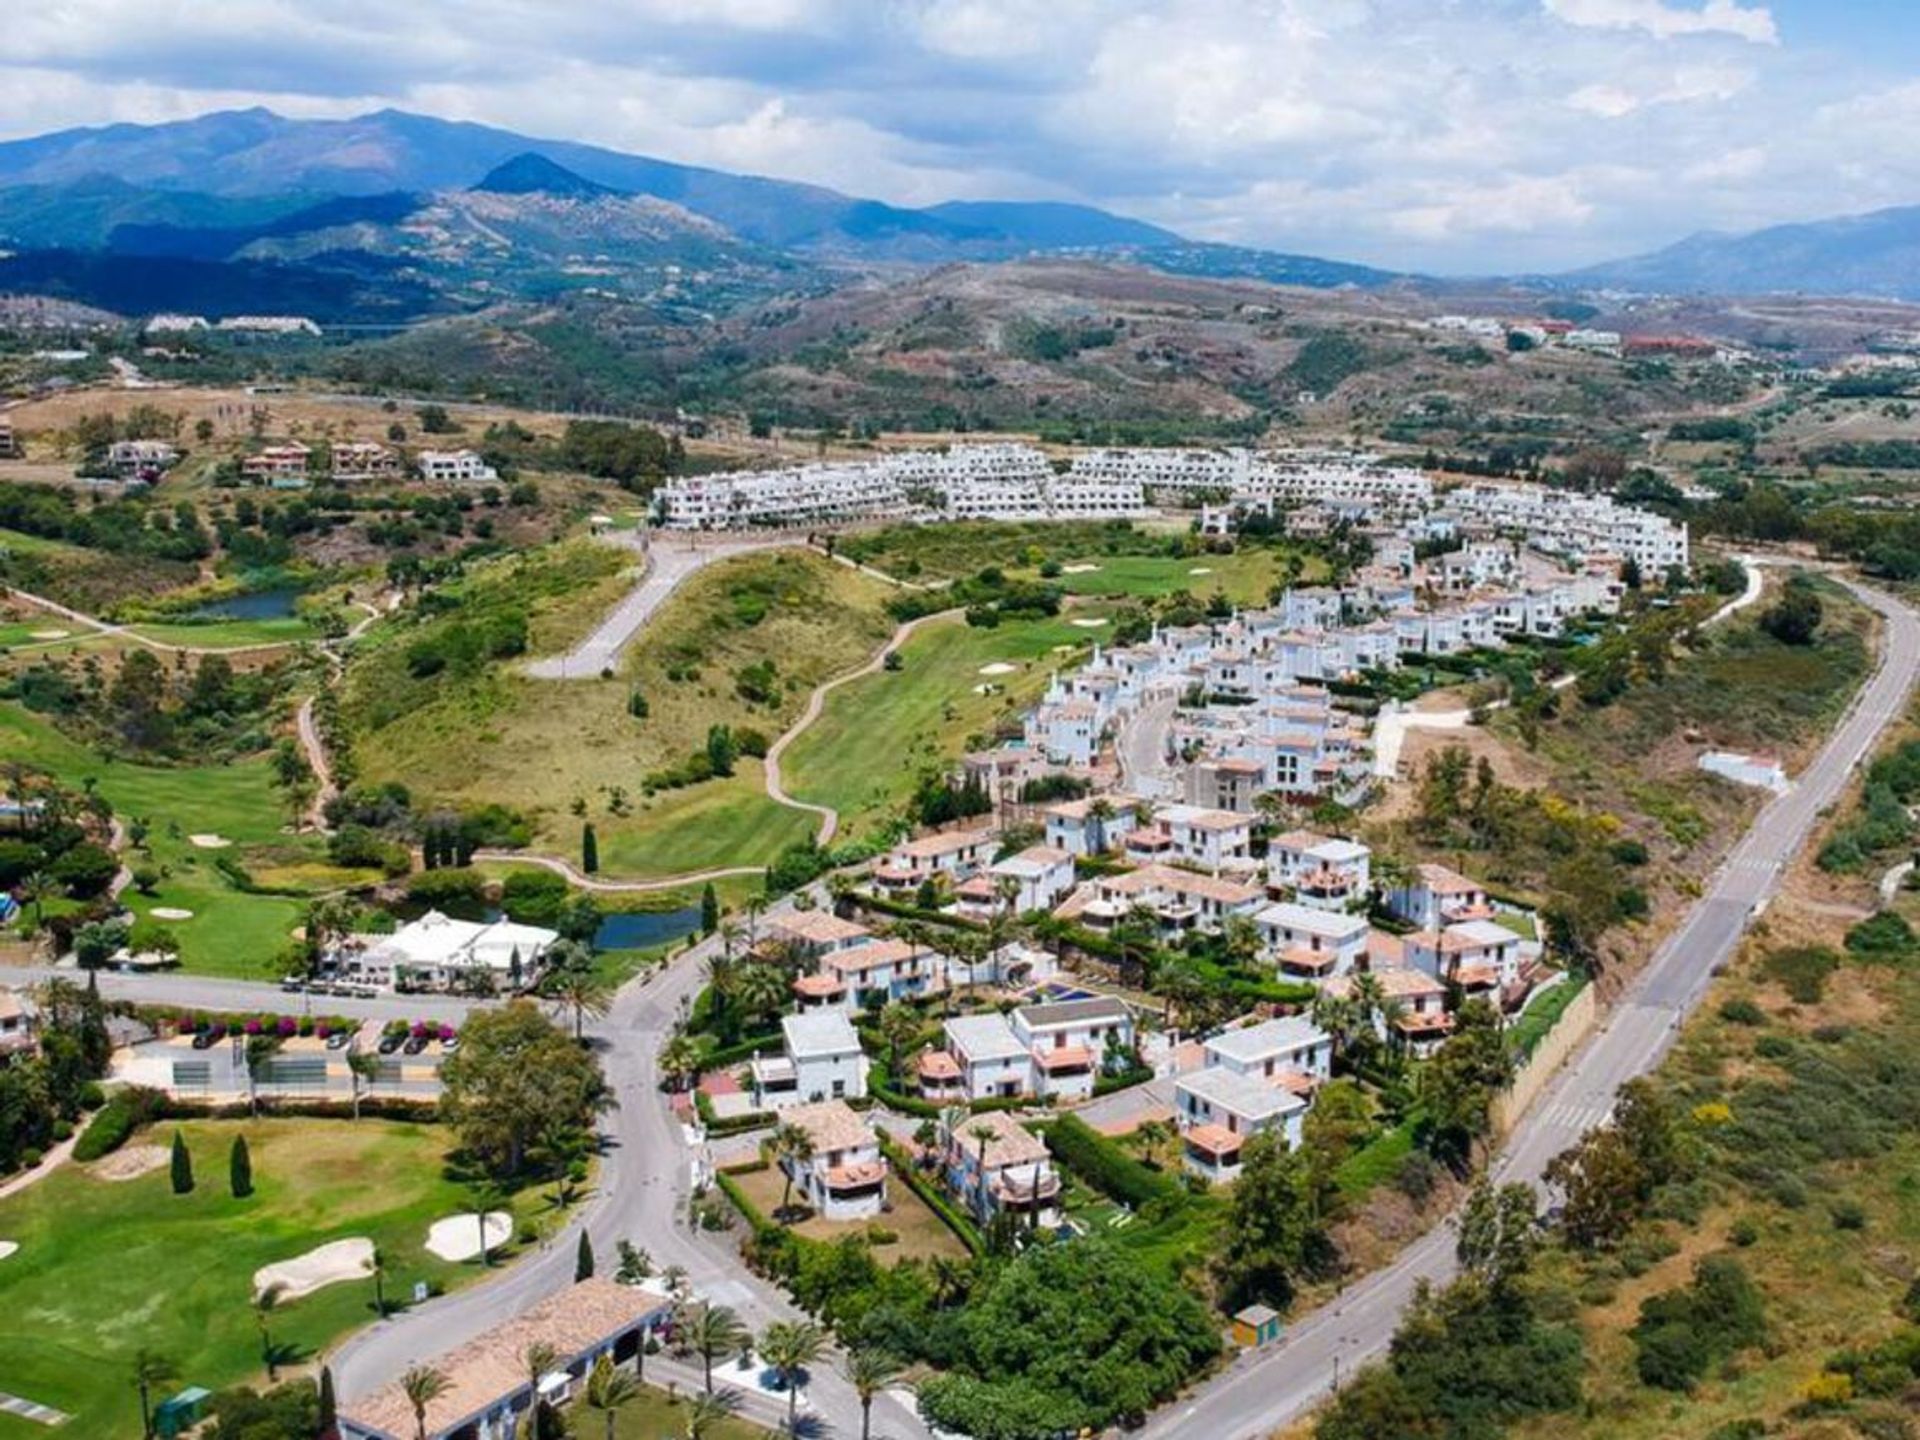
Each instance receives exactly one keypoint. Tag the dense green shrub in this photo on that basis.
(1106, 1167)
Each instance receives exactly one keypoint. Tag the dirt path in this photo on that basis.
(816, 702)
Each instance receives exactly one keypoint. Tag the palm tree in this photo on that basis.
(264, 1304)
(790, 1146)
(377, 1267)
(610, 1391)
(714, 1332)
(984, 1135)
(762, 990)
(680, 1059)
(706, 1411)
(362, 1066)
(899, 1027)
(539, 1358)
(870, 1371)
(952, 1279)
(581, 991)
(486, 1196)
(422, 1385)
(789, 1347)
(755, 904)
(151, 1370)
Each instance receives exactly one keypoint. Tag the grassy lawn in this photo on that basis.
(107, 1267)
(1244, 577)
(922, 1234)
(231, 932)
(653, 1416)
(865, 752)
(230, 634)
(709, 826)
(542, 746)
(945, 552)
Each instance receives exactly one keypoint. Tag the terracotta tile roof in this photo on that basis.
(937, 1065)
(492, 1367)
(819, 987)
(1385, 952)
(1066, 1057)
(862, 958)
(1442, 881)
(1216, 1140)
(949, 842)
(831, 1125)
(817, 927)
(1010, 1143)
(851, 1177)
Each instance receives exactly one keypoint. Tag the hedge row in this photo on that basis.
(733, 1124)
(722, 1056)
(902, 911)
(1105, 1167)
(1105, 1084)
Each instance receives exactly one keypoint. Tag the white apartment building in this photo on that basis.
(954, 854)
(1069, 1041)
(1091, 826)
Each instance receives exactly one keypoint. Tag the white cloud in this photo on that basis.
(1664, 21)
(1465, 135)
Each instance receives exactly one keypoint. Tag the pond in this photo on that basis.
(275, 604)
(642, 929)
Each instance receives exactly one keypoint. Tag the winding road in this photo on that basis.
(1258, 1395)
(645, 1183)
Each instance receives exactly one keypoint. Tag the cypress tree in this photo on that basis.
(589, 849)
(329, 1411)
(180, 1165)
(709, 910)
(583, 1260)
(240, 1169)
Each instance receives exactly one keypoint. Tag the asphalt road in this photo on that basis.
(1142, 746)
(645, 1183)
(1260, 1394)
(671, 561)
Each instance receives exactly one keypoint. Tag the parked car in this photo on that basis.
(204, 1039)
(293, 984)
(415, 1044)
(339, 1039)
(390, 1043)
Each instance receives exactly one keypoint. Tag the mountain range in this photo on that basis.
(472, 212)
(392, 216)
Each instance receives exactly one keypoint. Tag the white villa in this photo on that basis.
(1290, 1051)
(454, 467)
(1319, 871)
(1310, 944)
(845, 1175)
(437, 952)
(996, 1166)
(1218, 1110)
(821, 1059)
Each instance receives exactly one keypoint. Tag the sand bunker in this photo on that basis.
(1078, 569)
(130, 1163)
(51, 634)
(326, 1265)
(458, 1236)
(8, 1247)
(209, 842)
(1091, 622)
(170, 912)
(1201, 570)
(998, 667)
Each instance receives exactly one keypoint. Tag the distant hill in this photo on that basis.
(529, 173)
(259, 157)
(1876, 254)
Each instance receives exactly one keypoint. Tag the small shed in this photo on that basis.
(1255, 1326)
(181, 1412)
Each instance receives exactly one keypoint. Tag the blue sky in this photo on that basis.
(1445, 135)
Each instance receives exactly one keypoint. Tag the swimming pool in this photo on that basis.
(1053, 991)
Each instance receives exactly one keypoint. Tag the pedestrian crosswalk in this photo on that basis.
(1576, 1115)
